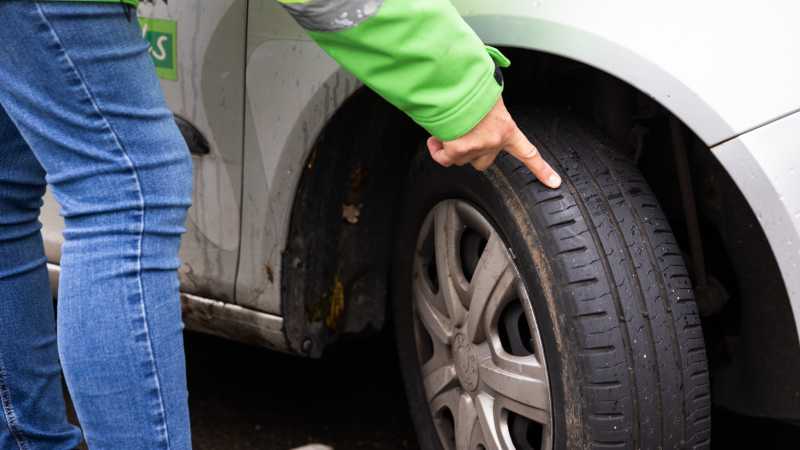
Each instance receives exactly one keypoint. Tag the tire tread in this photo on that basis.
(616, 251)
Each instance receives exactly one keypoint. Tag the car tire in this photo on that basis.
(604, 305)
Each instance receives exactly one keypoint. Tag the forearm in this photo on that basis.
(418, 54)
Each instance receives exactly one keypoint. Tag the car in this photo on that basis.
(662, 278)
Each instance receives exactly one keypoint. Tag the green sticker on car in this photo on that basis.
(162, 35)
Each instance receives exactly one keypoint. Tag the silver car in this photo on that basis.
(662, 278)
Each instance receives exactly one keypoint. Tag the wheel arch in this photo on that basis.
(335, 265)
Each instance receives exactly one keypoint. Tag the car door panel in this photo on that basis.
(198, 50)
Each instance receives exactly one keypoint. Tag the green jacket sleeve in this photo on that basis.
(419, 55)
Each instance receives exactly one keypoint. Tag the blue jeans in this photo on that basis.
(82, 111)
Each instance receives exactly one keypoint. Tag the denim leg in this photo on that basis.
(77, 81)
(32, 411)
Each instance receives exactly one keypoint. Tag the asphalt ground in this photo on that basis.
(248, 398)
(244, 398)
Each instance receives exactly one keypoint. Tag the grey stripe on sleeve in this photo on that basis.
(333, 15)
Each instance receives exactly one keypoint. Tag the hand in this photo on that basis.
(495, 133)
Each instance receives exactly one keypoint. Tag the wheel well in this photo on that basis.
(336, 272)
(339, 249)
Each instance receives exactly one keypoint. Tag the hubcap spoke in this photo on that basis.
(446, 399)
(491, 283)
(519, 387)
(536, 415)
(439, 326)
(441, 357)
(487, 419)
(447, 228)
(440, 380)
(527, 366)
(466, 420)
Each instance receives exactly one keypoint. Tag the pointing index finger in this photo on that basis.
(522, 149)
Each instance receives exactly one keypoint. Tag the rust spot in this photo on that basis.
(330, 307)
(336, 304)
(351, 213)
(268, 270)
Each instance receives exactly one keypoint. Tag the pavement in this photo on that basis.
(247, 398)
(244, 398)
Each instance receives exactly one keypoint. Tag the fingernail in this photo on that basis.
(554, 181)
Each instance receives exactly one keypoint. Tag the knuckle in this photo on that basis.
(508, 128)
(462, 149)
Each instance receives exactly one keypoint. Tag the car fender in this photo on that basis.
(722, 68)
(765, 165)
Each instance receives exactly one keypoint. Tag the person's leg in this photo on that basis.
(77, 80)
(32, 412)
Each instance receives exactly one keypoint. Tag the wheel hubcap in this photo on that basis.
(478, 345)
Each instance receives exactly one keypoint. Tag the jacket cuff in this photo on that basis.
(460, 120)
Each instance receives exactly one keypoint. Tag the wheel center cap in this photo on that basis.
(466, 362)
